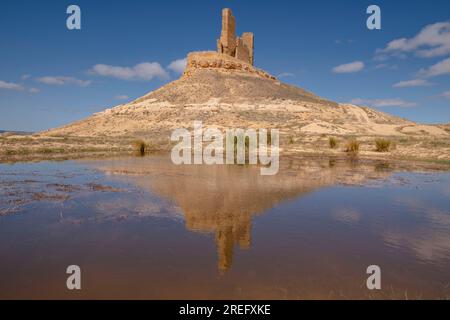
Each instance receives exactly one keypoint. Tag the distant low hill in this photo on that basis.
(14, 132)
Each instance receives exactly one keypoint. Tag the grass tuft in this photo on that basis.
(140, 146)
(332, 142)
(353, 146)
(383, 145)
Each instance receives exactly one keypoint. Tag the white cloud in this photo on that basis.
(121, 97)
(25, 76)
(381, 66)
(178, 65)
(286, 75)
(412, 83)
(10, 85)
(432, 41)
(349, 67)
(437, 69)
(341, 41)
(15, 86)
(386, 66)
(61, 80)
(446, 94)
(141, 71)
(381, 103)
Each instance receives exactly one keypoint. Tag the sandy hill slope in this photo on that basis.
(225, 92)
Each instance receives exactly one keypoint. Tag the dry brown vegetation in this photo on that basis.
(332, 141)
(383, 145)
(353, 146)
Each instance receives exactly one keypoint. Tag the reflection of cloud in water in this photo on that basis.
(430, 241)
(129, 208)
(427, 245)
(125, 207)
(446, 191)
(347, 215)
(414, 204)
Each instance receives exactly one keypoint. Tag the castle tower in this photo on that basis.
(240, 48)
(247, 38)
(227, 42)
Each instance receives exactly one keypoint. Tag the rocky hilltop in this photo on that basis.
(224, 89)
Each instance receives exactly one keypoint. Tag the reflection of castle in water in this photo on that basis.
(223, 199)
(226, 238)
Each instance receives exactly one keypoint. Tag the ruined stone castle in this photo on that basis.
(234, 54)
(237, 47)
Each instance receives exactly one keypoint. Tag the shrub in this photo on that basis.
(382, 145)
(269, 137)
(353, 146)
(246, 143)
(246, 147)
(140, 147)
(332, 142)
(50, 150)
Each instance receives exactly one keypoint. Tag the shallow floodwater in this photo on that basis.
(144, 228)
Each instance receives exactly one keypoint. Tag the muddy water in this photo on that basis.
(144, 228)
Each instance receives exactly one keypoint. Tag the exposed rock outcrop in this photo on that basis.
(221, 62)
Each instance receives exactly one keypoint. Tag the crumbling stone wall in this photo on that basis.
(241, 51)
(221, 62)
(227, 42)
(247, 38)
(237, 47)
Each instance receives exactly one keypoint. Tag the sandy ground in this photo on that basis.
(408, 147)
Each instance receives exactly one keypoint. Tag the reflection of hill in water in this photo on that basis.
(223, 199)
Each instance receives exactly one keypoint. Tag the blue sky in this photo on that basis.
(50, 76)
